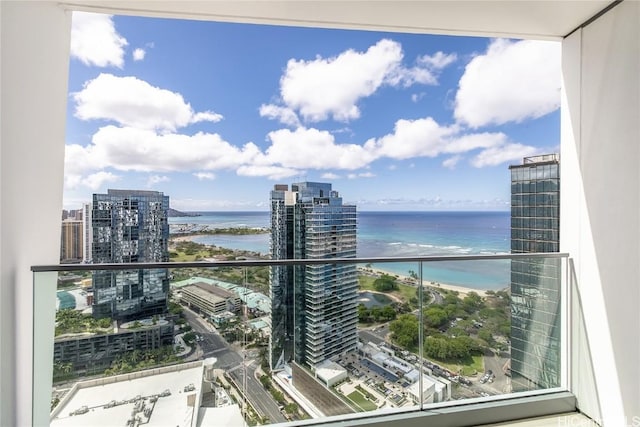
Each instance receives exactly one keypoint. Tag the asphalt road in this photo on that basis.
(501, 383)
(372, 337)
(257, 395)
(213, 345)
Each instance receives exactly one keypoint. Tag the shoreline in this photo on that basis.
(462, 290)
(407, 280)
(179, 238)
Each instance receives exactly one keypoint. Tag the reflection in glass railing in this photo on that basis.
(261, 342)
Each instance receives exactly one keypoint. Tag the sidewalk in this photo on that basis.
(179, 341)
(284, 381)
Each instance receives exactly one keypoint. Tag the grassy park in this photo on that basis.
(361, 401)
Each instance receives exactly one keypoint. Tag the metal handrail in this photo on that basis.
(287, 262)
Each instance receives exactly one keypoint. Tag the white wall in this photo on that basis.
(600, 207)
(35, 52)
(600, 186)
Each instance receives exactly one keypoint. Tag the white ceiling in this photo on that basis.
(507, 18)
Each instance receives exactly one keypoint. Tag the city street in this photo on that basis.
(213, 345)
(259, 397)
(501, 383)
(373, 337)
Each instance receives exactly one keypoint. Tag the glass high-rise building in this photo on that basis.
(535, 283)
(130, 226)
(314, 315)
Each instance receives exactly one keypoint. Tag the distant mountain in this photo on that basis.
(173, 213)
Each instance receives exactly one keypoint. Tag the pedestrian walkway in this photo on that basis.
(284, 381)
(179, 342)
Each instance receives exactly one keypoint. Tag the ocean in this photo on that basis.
(391, 234)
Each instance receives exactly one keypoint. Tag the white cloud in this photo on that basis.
(314, 149)
(331, 87)
(468, 142)
(206, 116)
(451, 162)
(95, 41)
(360, 175)
(133, 102)
(271, 172)
(413, 138)
(325, 88)
(426, 70)
(131, 149)
(291, 152)
(205, 176)
(157, 179)
(77, 159)
(437, 61)
(493, 156)
(426, 138)
(138, 54)
(284, 115)
(330, 175)
(415, 97)
(511, 82)
(96, 180)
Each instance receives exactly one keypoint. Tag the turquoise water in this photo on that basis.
(66, 300)
(392, 234)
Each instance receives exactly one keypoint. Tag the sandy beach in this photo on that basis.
(188, 238)
(377, 271)
(437, 285)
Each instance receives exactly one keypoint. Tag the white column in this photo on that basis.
(600, 204)
(34, 60)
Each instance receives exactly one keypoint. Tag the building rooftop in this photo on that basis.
(169, 395)
(329, 370)
(428, 388)
(207, 290)
(229, 416)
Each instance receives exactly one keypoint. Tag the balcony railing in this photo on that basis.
(172, 346)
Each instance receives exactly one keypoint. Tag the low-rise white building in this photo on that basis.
(209, 299)
(169, 396)
(434, 390)
(330, 373)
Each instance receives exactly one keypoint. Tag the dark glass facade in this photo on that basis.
(535, 283)
(314, 314)
(130, 226)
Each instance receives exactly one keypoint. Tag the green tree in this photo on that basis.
(291, 408)
(385, 283)
(104, 322)
(175, 308)
(485, 335)
(426, 296)
(435, 317)
(189, 337)
(388, 313)
(265, 381)
(364, 316)
(472, 302)
(405, 331)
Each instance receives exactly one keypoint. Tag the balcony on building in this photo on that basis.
(600, 206)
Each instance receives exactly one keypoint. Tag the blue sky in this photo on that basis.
(215, 114)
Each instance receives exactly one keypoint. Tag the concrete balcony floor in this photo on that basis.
(572, 419)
